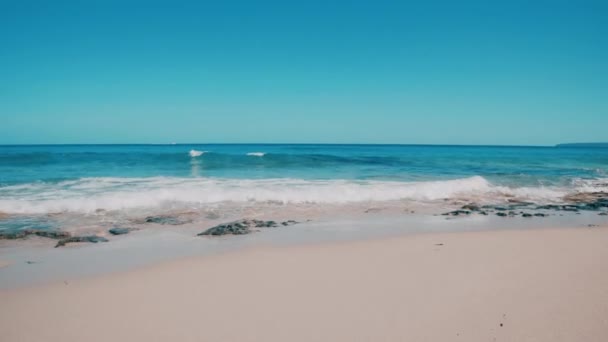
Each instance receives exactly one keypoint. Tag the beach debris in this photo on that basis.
(119, 231)
(241, 227)
(165, 219)
(21, 234)
(88, 238)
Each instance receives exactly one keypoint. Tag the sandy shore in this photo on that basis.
(536, 285)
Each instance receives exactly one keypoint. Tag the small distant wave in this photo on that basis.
(256, 154)
(195, 153)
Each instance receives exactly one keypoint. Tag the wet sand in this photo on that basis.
(519, 285)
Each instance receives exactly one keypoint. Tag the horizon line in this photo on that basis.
(292, 143)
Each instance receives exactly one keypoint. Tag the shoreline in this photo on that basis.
(35, 261)
(540, 284)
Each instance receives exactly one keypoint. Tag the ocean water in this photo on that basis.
(110, 183)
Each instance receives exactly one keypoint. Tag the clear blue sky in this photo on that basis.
(448, 72)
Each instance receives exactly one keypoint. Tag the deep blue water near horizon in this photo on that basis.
(506, 165)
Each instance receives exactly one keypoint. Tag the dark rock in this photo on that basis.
(119, 231)
(549, 207)
(234, 228)
(540, 215)
(519, 203)
(21, 234)
(526, 215)
(164, 219)
(471, 207)
(501, 208)
(483, 212)
(458, 212)
(501, 214)
(12, 235)
(241, 227)
(89, 238)
(264, 224)
(595, 205)
(603, 213)
(55, 234)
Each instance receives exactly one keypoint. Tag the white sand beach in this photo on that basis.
(522, 285)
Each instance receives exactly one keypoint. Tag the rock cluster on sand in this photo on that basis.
(88, 238)
(21, 234)
(241, 227)
(119, 231)
(63, 237)
(592, 201)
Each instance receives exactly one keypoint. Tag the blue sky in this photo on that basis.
(438, 72)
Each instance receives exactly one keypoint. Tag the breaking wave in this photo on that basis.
(87, 195)
(195, 153)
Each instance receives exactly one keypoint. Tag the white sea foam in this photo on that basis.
(89, 194)
(195, 153)
(256, 154)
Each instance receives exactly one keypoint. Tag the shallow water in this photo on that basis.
(34, 261)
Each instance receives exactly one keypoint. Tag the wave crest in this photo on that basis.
(87, 195)
(195, 153)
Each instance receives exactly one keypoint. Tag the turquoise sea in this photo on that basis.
(85, 178)
(62, 186)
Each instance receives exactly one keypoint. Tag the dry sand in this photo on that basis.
(536, 285)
